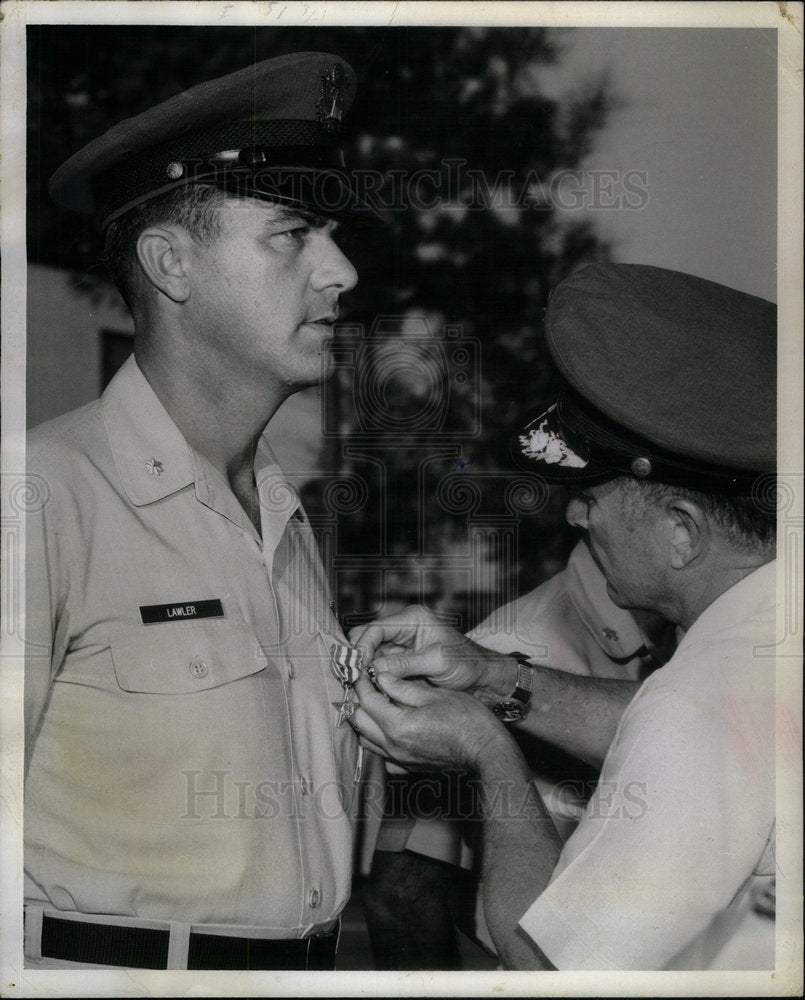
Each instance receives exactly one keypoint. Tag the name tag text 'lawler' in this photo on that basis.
(151, 614)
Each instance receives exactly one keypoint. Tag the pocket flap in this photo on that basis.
(179, 658)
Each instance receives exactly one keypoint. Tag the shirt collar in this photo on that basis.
(755, 594)
(154, 460)
(614, 628)
(279, 499)
(151, 455)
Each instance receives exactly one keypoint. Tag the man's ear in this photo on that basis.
(690, 531)
(162, 254)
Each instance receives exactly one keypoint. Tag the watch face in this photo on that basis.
(509, 711)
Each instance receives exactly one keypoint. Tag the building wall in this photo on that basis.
(64, 343)
(65, 364)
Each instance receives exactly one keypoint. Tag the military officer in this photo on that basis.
(665, 433)
(189, 790)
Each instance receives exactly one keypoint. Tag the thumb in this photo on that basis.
(413, 694)
(423, 663)
(397, 664)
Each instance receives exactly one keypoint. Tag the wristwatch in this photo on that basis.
(514, 709)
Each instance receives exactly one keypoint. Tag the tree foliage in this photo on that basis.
(462, 143)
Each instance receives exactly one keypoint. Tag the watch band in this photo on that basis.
(514, 708)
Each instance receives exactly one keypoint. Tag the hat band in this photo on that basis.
(211, 156)
(573, 443)
(610, 446)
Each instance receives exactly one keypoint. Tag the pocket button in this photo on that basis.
(198, 668)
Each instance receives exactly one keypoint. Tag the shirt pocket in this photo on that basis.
(180, 658)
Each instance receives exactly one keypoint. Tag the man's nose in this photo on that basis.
(577, 512)
(333, 269)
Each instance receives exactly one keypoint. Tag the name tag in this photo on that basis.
(151, 614)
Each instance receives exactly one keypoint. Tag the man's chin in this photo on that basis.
(327, 360)
(617, 598)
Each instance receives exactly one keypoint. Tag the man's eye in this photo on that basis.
(294, 236)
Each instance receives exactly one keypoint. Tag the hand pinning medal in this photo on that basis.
(347, 663)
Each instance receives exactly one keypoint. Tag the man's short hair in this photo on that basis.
(748, 523)
(195, 207)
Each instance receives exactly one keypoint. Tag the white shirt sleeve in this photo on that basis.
(677, 825)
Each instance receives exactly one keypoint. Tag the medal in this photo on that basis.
(346, 709)
(346, 662)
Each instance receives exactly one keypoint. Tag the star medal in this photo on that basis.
(346, 662)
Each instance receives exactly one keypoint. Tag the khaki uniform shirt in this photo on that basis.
(183, 758)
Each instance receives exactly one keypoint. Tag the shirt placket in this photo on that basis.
(264, 547)
(279, 511)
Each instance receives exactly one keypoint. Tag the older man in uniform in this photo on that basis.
(665, 433)
(189, 790)
(422, 881)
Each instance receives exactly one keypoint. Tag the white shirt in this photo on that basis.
(683, 816)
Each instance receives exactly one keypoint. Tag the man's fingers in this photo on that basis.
(398, 665)
(369, 638)
(369, 745)
(427, 662)
(376, 716)
(375, 711)
(356, 634)
(412, 694)
(408, 628)
(391, 649)
(400, 628)
(391, 766)
(369, 697)
(370, 732)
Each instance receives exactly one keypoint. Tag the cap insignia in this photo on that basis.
(331, 103)
(545, 445)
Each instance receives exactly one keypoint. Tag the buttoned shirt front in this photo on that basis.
(183, 757)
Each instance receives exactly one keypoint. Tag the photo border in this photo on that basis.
(787, 20)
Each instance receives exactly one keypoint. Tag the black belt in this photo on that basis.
(147, 948)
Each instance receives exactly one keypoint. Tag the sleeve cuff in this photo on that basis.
(568, 945)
